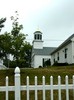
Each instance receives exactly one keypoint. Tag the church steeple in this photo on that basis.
(37, 42)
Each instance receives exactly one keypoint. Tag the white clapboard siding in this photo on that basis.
(51, 87)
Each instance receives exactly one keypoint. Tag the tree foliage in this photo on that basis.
(2, 20)
(5, 43)
(14, 43)
(18, 41)
(16, 28)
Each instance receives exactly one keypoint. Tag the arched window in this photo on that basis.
(40, 37)
(35, 36)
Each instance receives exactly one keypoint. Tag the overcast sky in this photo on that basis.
(54, 18)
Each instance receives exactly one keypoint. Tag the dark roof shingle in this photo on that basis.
(44, 51)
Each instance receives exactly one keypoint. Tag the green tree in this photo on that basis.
(2, 20)
(18, 41)
(26, 51)
(14, 43)
(5, 45)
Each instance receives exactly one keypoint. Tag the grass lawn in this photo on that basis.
(39, 72)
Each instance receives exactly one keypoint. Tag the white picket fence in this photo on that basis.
(18, 87)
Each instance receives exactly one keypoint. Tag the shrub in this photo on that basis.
(40, 66)
(60, 64)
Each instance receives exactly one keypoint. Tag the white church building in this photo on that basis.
(40, 54)
(65, 52)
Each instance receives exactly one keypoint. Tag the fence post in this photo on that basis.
(17, 83)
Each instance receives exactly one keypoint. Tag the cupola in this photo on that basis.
(37, 42)
(38, 35)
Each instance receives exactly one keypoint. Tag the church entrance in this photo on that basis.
(46, 62)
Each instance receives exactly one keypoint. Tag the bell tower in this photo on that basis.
(37, 42)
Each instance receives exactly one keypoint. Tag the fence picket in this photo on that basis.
(67, 91)
(7, 88)
(43, 79)
(27, 87)
(51, 84)
(59, 85)
(73, 86)
(35, 87)
(17, 84)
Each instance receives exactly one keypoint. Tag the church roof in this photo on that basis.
(44, 51)
(38, 32)
(66, 42)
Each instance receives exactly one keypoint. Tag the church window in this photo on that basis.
(66, 53)
(54, 60)
(58, 56)
(38, 36)
(34, 36)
